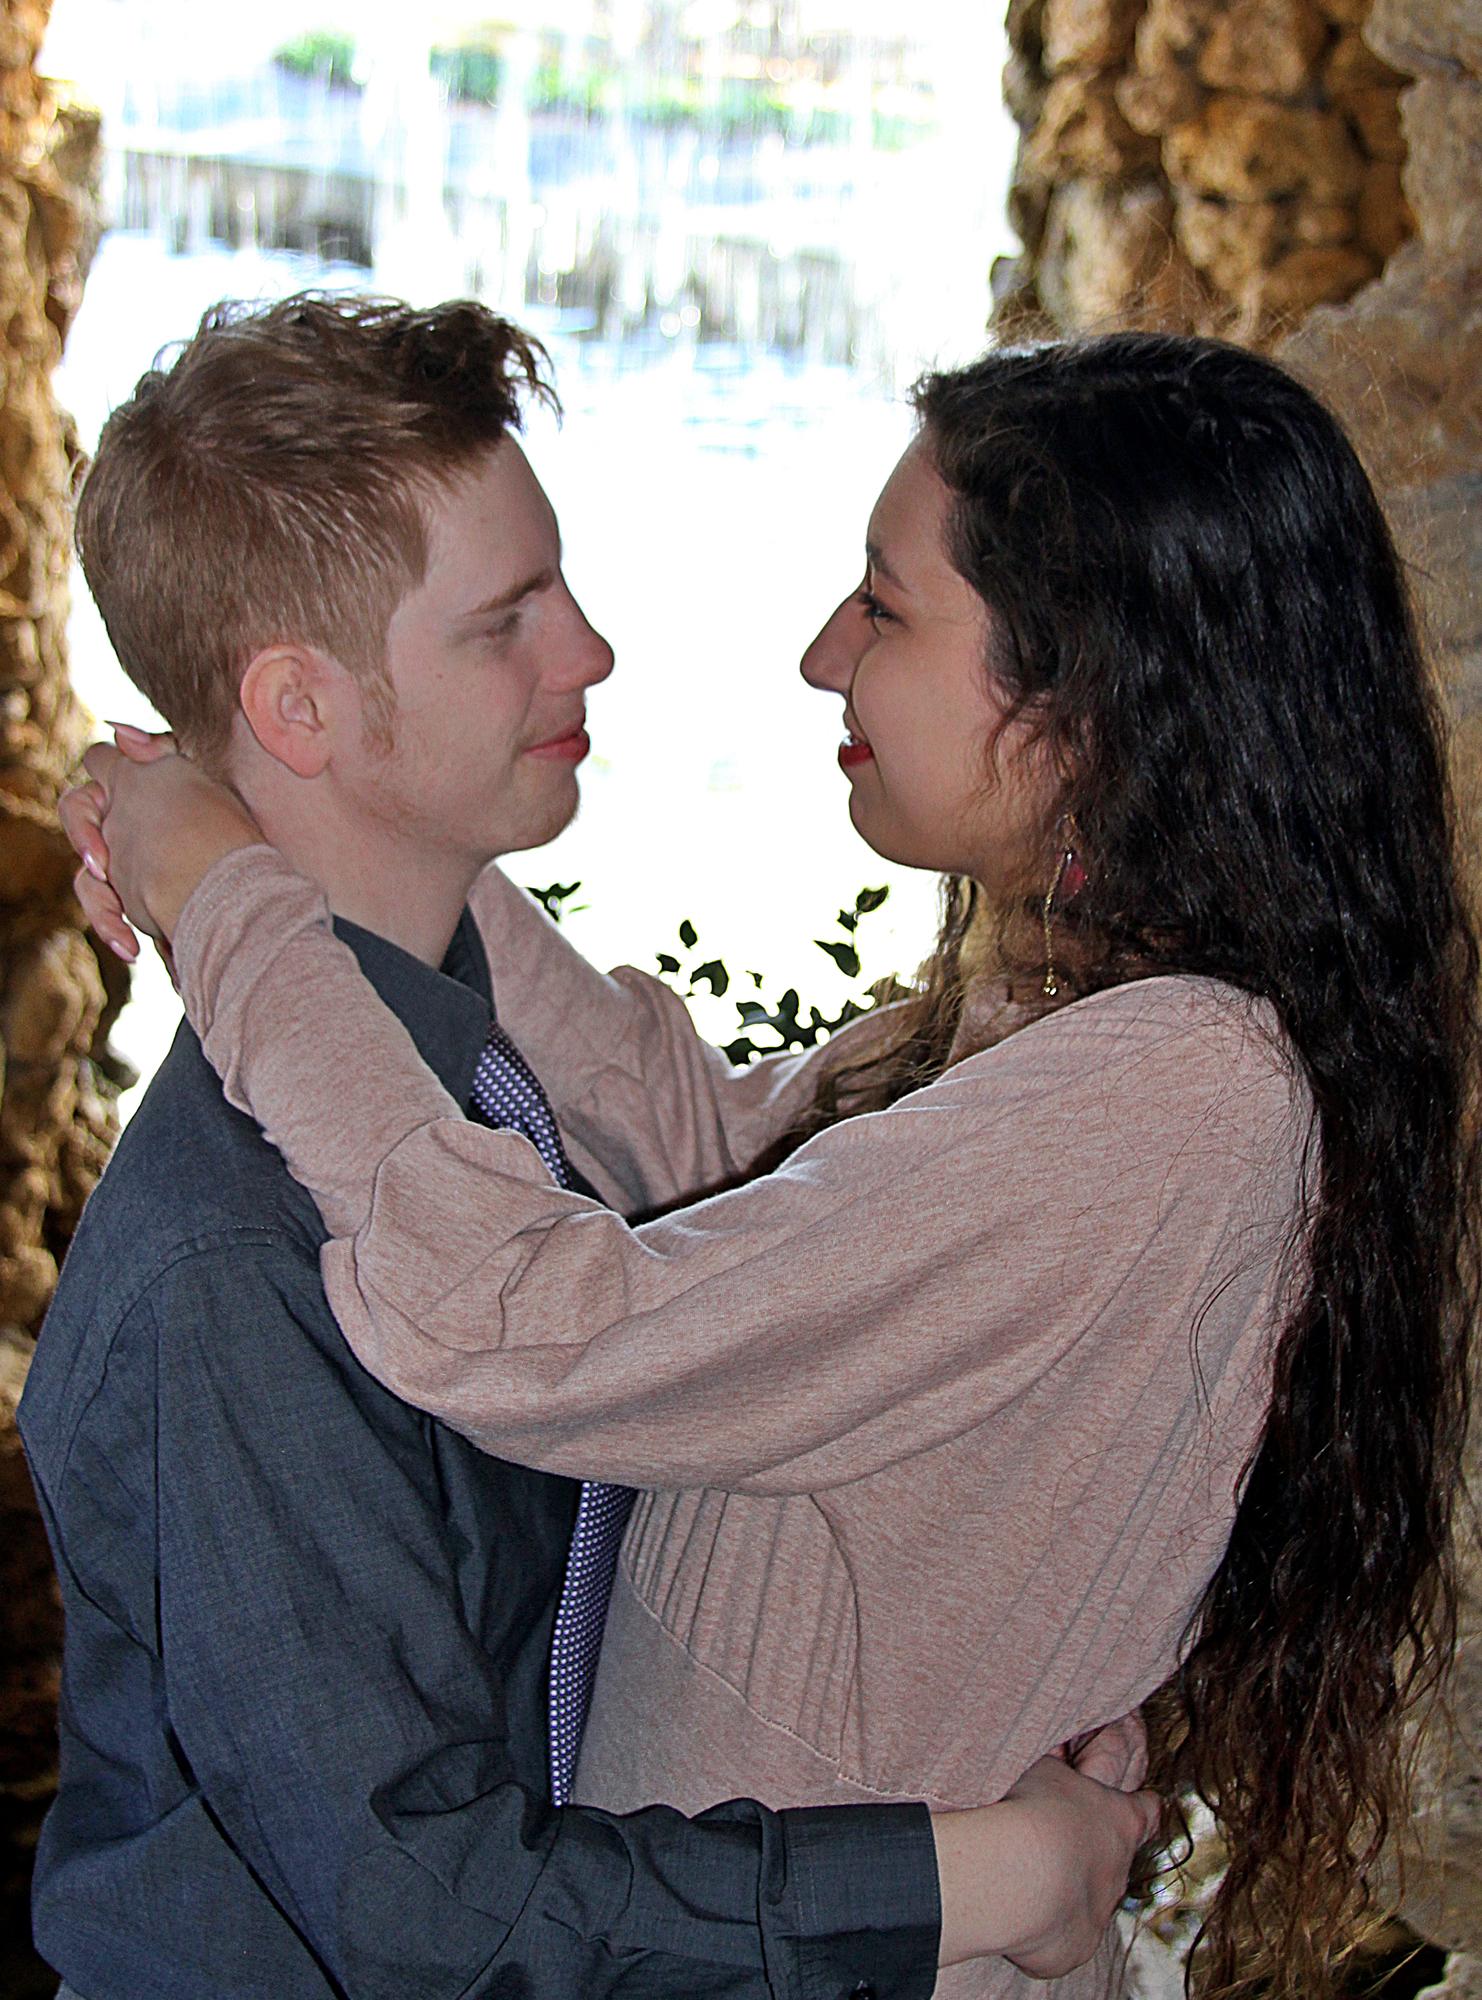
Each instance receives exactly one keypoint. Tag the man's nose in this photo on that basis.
(832, 657)
(599, 657)
(589, 657)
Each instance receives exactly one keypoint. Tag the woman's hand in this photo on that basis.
(1038, 1877)
(147, 826)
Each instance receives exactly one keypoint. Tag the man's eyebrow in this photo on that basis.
(875, 556)
(506, 599)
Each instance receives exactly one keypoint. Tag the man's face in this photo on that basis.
(489, 659)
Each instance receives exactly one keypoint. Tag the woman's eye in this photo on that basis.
(873, 609)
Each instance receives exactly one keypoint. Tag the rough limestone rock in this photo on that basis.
(30, 1646)
(1442, 119)
(1110, 261)
(1263, 48)
(1318, 180)
(1442, 36)
(1269, 143)
(56, 999)
(1462, 1981)
(1082, 127)
(1088, 34)
(1247, 150)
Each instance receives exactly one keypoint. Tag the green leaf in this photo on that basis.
(554, 898)
(843, 955)
(714, 974)
(788, 1023)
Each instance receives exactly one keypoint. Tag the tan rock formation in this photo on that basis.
(55, 997)
(1090, 197)
(1255, 157)
(1317, 190)
(1262, 48)
(1403, 362)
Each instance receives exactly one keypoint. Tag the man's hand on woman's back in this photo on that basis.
(1038, 1877)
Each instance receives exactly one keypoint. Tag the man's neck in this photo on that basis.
(388, 885)
(416, 908)
(377, 867)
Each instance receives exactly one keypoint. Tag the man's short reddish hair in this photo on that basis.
(265, 487)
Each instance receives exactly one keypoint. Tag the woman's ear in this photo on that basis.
(287, 696)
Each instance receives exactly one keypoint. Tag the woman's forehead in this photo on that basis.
(906, 539)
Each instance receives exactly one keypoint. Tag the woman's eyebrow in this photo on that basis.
(874, 555)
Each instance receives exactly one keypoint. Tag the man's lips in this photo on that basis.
(569, 748)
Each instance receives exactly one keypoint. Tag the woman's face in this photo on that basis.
(937, 778)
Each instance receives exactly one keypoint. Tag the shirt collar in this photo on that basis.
(447, 1011)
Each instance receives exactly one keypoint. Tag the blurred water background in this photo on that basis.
(742, 229)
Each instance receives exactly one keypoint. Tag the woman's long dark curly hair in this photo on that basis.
(1193, 592)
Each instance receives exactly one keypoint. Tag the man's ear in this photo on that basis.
(289, 696)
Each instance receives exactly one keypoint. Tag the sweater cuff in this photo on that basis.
(866, 1901)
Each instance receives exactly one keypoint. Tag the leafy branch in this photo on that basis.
(787, 1023)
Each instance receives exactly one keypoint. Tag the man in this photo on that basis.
(304, 1742)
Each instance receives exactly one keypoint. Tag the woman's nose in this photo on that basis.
(831, 659)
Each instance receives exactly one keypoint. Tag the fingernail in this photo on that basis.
(129, 729)
(128, 953)
(94, 867)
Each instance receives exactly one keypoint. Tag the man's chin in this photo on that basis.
(538, 829)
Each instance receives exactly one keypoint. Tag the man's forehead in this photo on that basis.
(494, 518)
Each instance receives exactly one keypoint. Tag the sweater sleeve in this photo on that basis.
(903, 1277)
(647, 1107)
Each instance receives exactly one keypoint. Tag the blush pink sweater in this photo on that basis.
(941, 1425)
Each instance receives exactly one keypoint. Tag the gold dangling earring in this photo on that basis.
(1051, 987)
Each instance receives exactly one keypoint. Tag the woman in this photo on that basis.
(1106, 1317)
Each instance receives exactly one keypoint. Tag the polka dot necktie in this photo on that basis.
(507, 1094)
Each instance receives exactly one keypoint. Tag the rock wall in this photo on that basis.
(1221, 165)
(1402, 362)
(1305, 175)
(56, 999)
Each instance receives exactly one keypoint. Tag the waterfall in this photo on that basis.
(404, 125)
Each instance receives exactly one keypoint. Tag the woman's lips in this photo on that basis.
(854, 751)
(567, 749)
